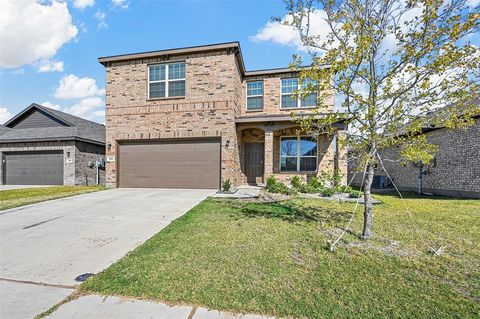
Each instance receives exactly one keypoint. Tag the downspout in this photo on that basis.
(420, 178)
(97, 177)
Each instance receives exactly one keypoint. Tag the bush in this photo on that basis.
(328, 192)
(275, 186)
(296, 182)
(344, 189)
(271, 182)
(226, 185)
(331, 179)
(316, 183)
(354, 194)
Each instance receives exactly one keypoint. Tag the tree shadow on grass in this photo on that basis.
(290, 212)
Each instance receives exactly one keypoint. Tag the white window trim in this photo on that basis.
(258, 95)
(299, 96)
(166, 81)
(298, 156)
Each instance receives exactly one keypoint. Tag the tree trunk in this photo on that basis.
(367, 214)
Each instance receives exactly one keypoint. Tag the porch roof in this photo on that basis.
(278, 119)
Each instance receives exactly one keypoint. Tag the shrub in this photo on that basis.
(275, 186)
(354, 194)
(226, 185)
(344, 189)
(309, 189)
(328, 192)
(331, 179)
(316, 183)
(296, 182)
(271, 182)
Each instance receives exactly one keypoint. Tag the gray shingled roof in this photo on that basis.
(3, 129)
(78, 129)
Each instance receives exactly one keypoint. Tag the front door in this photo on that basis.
(254, 162)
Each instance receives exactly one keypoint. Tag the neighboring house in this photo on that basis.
(192, 117)
(455, 170)
(42, 146)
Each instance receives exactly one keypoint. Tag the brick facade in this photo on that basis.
(215, 96)
(457, 164)
(207, 110)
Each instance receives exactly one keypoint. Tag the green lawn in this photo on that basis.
(272, 259)
(19, 197)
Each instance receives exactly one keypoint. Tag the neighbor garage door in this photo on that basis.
(170, 164)
(34, 168)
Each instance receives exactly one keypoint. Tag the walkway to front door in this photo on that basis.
(254, 163)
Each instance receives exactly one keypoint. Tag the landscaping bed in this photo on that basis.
(25, 196)
(272, 258)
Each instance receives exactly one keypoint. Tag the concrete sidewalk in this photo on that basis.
(94, 306)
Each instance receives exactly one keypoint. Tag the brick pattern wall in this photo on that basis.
(457, 170)
(84, 153)
(325, 153)
(207, 110)
(272, 96)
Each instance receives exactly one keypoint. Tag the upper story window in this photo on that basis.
(298, 154)
(290, 86)
(166, 80)
(254, 95)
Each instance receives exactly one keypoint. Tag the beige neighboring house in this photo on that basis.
(455, 170)
(192, 117)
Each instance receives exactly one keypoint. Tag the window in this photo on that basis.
(254, 95)
(166, 80)
(291, 86)
(298, 154)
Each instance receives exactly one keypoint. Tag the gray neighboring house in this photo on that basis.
(455, 171)
(42, 146)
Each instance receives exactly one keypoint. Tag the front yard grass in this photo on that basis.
(272, 258)
(25, 196)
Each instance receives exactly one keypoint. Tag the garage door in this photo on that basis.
(170, 164)
(34, 168)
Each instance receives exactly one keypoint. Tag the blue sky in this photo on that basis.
(116, 27)
(49, 48)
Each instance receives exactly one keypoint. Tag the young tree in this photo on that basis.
(391, 62)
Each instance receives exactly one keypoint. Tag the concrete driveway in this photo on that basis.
(44, 246)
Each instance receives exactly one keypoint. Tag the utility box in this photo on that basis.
(379, 181)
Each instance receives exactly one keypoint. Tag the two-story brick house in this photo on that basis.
(192, 117)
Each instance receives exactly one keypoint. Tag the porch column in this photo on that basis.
(268, 165)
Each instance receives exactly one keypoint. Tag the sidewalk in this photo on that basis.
(94, 306)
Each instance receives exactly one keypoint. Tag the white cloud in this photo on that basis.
(51, 105)
(5, 115)
(33, 31)
(101, 17)
(86, 107)
(18, 71)
(99, 113)
(82, 4)
(122, 4)
(280, 33)
(472, 3)
(50, 66)
(73, 87)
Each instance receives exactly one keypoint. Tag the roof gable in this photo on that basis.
(35, 116)
(53, 125)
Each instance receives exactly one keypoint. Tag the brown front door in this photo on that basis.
(254, 162)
